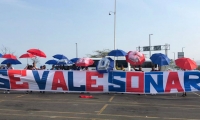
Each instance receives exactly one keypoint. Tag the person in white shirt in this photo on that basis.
(34, 66)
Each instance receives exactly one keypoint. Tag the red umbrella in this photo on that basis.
(37, 52)
(135, 58)
(27, 55)
(84, 62)
(9, 56)
(186, 63)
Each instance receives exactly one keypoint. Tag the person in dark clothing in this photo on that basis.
(74, 67)
(53, 67)
(184, 93)
(86, 68)
(153, 68)
(139, 69)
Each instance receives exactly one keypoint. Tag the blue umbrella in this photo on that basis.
(105, 65)
(60, 56)
(117, 53)
(70, 62)
(160, 59)
(65, 62)
(51, 62)
(74, 60)
(1, 55)
(11, 61)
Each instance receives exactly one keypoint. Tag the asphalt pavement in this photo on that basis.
(68, 106)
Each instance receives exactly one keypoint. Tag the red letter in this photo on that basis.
(59, 81)
(14, 80)
(173, 77)
(90, 81)
(140, 76)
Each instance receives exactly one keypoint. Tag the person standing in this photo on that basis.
(34, 66)
(184, 93)
(138, 69)
(43, 68)
(53, 67)
(153, 69)
(28, 67)
(8, 67)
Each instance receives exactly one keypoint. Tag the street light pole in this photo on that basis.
(182, 51)
(76, 51)
(182, 48)
(114, 27)
(114, 23)
(150, 45)
(174, 60)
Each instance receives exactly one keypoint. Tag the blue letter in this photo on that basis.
(71, 83)
(191, 81)
(121, 84)
(5, 83)
(41, 82)
(149, 80)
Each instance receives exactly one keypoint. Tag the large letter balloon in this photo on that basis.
(105, 65)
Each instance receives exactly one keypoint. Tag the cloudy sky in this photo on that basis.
(54, 26)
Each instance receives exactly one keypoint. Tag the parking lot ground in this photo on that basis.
(69, 106)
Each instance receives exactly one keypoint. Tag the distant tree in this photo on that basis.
(6, 50)
(99, 53)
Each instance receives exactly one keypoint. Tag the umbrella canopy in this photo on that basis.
(1, 55)
(11, 61)
(60, 57)
(74, 60)
(135, 58)
(37, 52)
(27, 55)
(117, 53)
(9, 56)
(65, 62)
(160, 59)
(51, 62)
(84, 62)
(186, 63)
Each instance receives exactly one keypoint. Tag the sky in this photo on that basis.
(55, 26)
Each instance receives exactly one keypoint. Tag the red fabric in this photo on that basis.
(27, 55)
(86, 96)
(9, 56)
(186, 63)
(37, 52)
(84, 62)
(135, 58)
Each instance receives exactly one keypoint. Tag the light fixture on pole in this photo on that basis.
(182, 48)
(150, 45)
(76, 51)
(114, 26)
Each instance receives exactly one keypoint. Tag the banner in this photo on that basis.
(92, 81)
